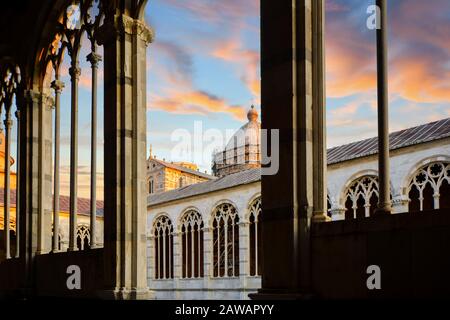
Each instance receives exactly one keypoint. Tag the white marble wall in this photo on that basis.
(404, 163)
(207, 287)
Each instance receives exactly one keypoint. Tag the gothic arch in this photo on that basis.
(162, 233)
(83, 237)
(249, 204)
(225, 240)
(183, 213)
(157, 216)
(220, 202)
(254, 234)
(418, 166)
(361, 197)
(429, 185)
(192, 243)
(351, 179)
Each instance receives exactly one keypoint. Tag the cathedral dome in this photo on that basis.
(242, 151)
(248, 134)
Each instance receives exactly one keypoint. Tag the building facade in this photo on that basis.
(164, 176)
(203, 240)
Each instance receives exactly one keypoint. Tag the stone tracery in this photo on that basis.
(225, 241)
(192, 244)
(361, 197)
(429, 188)
(163, 244)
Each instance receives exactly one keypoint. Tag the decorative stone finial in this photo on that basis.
(252, 114)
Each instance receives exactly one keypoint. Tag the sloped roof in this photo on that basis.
(236, 179)
(183, 169)
(83, 204)
(399, 139)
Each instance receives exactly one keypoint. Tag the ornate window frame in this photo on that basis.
(225, 233)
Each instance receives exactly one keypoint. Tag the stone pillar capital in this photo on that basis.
(75, 71)
(142, 30)
(32, 96)
(123, 24)
(57, 85)
(94, 58)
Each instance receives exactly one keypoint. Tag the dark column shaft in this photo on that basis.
(384, 205)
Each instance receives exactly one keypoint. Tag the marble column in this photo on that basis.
(151, 259)
(400, 203)
(125, 40)
(207, 258)
(18, 212)
(319, 114)
(244, 255)
(29, 102)
(7, 188)
(288, 57)
(94, 59)
(384, 204)
(337, 213)
(177, 262)
(44, 173)
(75, 73)
(58, 86)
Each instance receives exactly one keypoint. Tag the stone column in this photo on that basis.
(244, 255)
(75, 72)
(58, 86)
(151, 258)
(207, 258)
(125, 40)
(436, 197)
(177, 256)
(7, 189)
(94, 59)
(44, 173)
(337, 213)
(319, 114)
(400, 203)
(287, 59)
(384, 204)
(18, 144)
(177, 262)
(29, 102)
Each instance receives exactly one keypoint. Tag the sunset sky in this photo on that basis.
(204, 66)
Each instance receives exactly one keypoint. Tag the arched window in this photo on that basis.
(83, 237)
(430, 187)
(163, 232)
(225, 241)
(361, 197)
(255, 238)
(150, 186)
(192, 244)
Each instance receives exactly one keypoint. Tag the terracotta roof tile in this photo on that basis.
(64, 203)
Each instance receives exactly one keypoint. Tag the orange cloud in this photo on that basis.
(194, 101)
